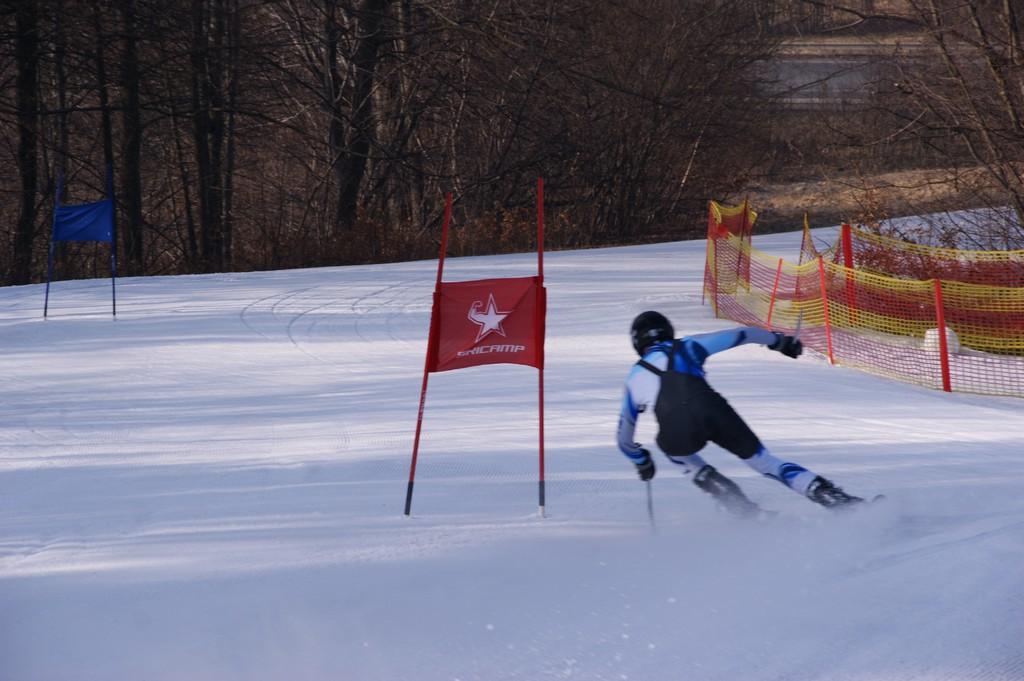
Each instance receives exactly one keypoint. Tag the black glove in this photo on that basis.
(645, 469)
(787, 345)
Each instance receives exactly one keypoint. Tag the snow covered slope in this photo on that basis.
(211, 488)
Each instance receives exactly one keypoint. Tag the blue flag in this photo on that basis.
(85, 222)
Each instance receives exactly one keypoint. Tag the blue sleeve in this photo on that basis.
(705, 344)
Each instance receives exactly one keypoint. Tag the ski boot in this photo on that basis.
(822, 491)
(726, 492)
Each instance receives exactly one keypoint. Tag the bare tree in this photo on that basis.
(958, 90)
(27, 59)
(274, 133)
(131, 159)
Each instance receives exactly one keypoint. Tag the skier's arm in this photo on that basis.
(640, 457)
(641, 392)
(703, 345)
(628, 414)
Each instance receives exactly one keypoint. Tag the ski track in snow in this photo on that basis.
(211, 487)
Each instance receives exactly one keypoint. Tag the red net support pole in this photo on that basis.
(940, 322)
(538, 324)
(824, 309)
(707, 257)
(748, 235)
(742, 239)
(714, 271)
(846, 240)
(805, 241)
(431, 341)
(775, 290)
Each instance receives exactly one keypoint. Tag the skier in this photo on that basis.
(690, 413)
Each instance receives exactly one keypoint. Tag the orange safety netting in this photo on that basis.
(865, 250)
(738, 220)
(884, 325)
(724, 220)
(808, 251)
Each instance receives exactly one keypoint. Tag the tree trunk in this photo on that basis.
(350, 164)
(105, 122)
(60, 59)
(234, 34)
(214, 99)
(209, 207)
(131, 173)
(27, 56)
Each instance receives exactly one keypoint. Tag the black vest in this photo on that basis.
(682, 406)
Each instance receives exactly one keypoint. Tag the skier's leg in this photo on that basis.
(714, 420)
(683, 433)
(733, 434)
(792, 475)
(726, 492)
(728, 430)
(800, 480)
(690, 463)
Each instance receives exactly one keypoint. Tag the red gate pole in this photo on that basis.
(538, 325)
(775, 289)
(940, 321)
(431, 347)
(824, 307)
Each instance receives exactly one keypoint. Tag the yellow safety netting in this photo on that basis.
(882, 324)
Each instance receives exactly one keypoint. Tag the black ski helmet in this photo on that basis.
(650, 327)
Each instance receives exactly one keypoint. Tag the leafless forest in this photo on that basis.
(256, 134)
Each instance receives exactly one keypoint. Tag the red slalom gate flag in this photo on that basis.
(488, 321)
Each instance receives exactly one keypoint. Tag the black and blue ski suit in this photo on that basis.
(670, 379)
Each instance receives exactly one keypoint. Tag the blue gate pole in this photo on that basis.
(113, 241)
(113, 278)
(53, 234)
(49, 273)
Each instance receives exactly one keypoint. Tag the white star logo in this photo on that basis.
(490, 320)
